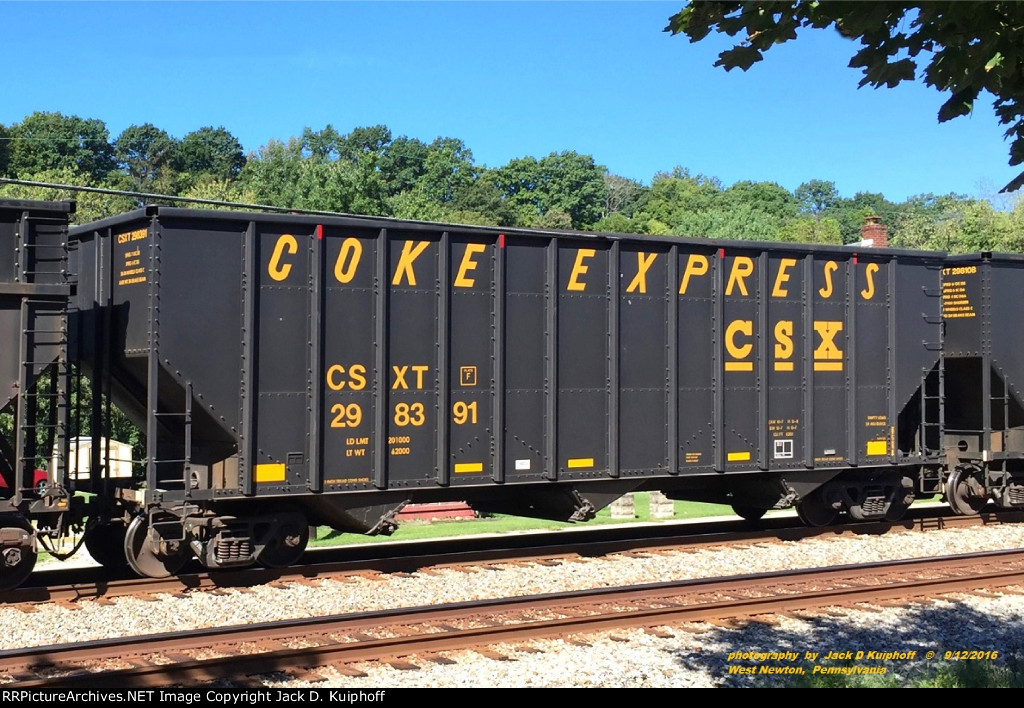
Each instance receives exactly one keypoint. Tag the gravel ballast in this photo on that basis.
(753, 654)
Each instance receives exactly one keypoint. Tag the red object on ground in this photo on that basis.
(440, 510)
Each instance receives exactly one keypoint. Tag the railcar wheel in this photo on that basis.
(286, 547)
(105, 543)
(965, 494)
(814, 510)
(143, 554)
(16, 561)
(750, 513)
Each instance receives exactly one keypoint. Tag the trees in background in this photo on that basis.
(148, 156)
(53, 141)
(370, 171)
(561, 190)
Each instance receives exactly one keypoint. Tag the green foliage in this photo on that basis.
(210, 187)
(52, 141)
(552, 219)
(681, 203)
(371, 140)
(823, 231)
(436, 174)
(978, 674)
(617, 223)
(414, 204)
(567, 182)
(964, 674)
(403, 163)
(367, 171)
(321, 145)
(5, 149)
(210, 151)
(816, 197)
(447, 171)
(765, 197)
(698, 206)
(962, 48)
(90, 206)
(149, 156)
(484, 197)
(623, 196)
(956, 224)
(845, 681)
(280, 175)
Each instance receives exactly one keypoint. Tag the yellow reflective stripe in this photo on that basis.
(738, 457)
(580, 463)
(462, 467)
(878, 447)
(273, 472)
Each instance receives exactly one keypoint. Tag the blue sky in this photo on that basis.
(508, 78)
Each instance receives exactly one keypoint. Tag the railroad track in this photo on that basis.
(76, 584)
(299, 647)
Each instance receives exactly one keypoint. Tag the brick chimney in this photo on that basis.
(875, 231)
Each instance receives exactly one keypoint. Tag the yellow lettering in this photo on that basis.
(579, 269)
(869, 271)
(782, 277)
(349, 416)
(828, 356)
(695, 265)
(830, 267)
(410, 252)
(783, 345)
(136, 235)
(420, 370)
(463, 412)
(410, 414)
(356, 379)
(275, 269)
(468, 264)
(399, 376)
(332, 383)
(643, 264)
(744, 327)
(348, 260)
(400, 373)
(741, 268)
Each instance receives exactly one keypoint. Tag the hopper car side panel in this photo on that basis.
(354, 355)
(292, 370)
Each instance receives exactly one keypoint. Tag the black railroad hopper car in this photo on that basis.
(984, 364)
(34, 293)
(293, 370)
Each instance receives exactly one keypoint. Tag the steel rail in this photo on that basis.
(159, 659)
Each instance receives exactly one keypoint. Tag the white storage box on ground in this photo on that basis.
(80, 458)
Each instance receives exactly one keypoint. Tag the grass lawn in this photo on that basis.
(416, 530)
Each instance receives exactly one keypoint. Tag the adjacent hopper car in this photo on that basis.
(290, 371)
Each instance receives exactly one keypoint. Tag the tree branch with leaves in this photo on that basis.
(962, 48)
